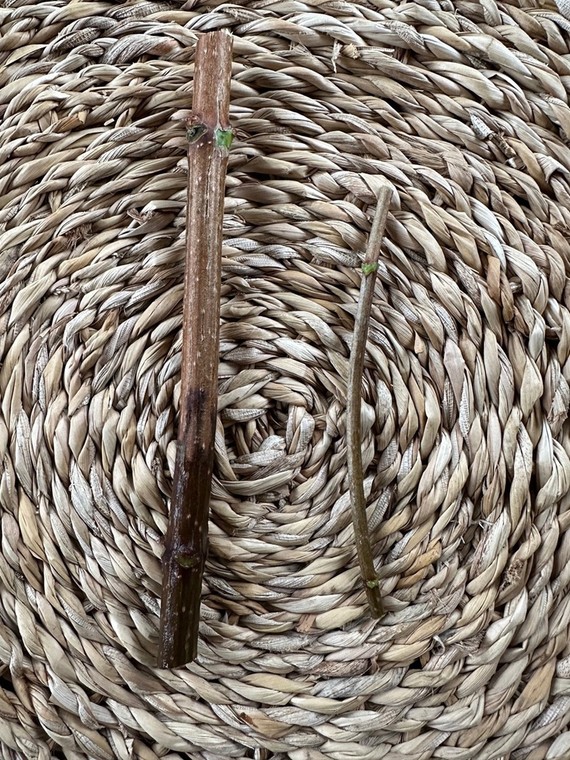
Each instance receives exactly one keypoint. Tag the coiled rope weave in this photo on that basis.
(463, 107)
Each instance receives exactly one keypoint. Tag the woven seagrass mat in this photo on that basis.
(463, 108)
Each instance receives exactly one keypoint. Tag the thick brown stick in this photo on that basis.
(354, 403)
(209, 137)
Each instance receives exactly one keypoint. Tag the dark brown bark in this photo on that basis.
(209, 138)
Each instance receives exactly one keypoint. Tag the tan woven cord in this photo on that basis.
(463, 108)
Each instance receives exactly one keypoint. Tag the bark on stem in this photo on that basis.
(354, 430)
(209, 137)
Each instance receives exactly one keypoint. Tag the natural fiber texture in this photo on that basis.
(463, 108)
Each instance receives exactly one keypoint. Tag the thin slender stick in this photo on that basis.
(209, 137)
(353, 424)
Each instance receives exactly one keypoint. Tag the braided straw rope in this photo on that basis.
(463, 108)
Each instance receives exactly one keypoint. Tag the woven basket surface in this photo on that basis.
(463, 108)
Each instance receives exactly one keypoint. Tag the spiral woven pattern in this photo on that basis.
(463, 108)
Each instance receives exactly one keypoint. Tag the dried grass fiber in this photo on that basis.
(463, 108)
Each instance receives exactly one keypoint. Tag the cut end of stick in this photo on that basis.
(374, 599)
